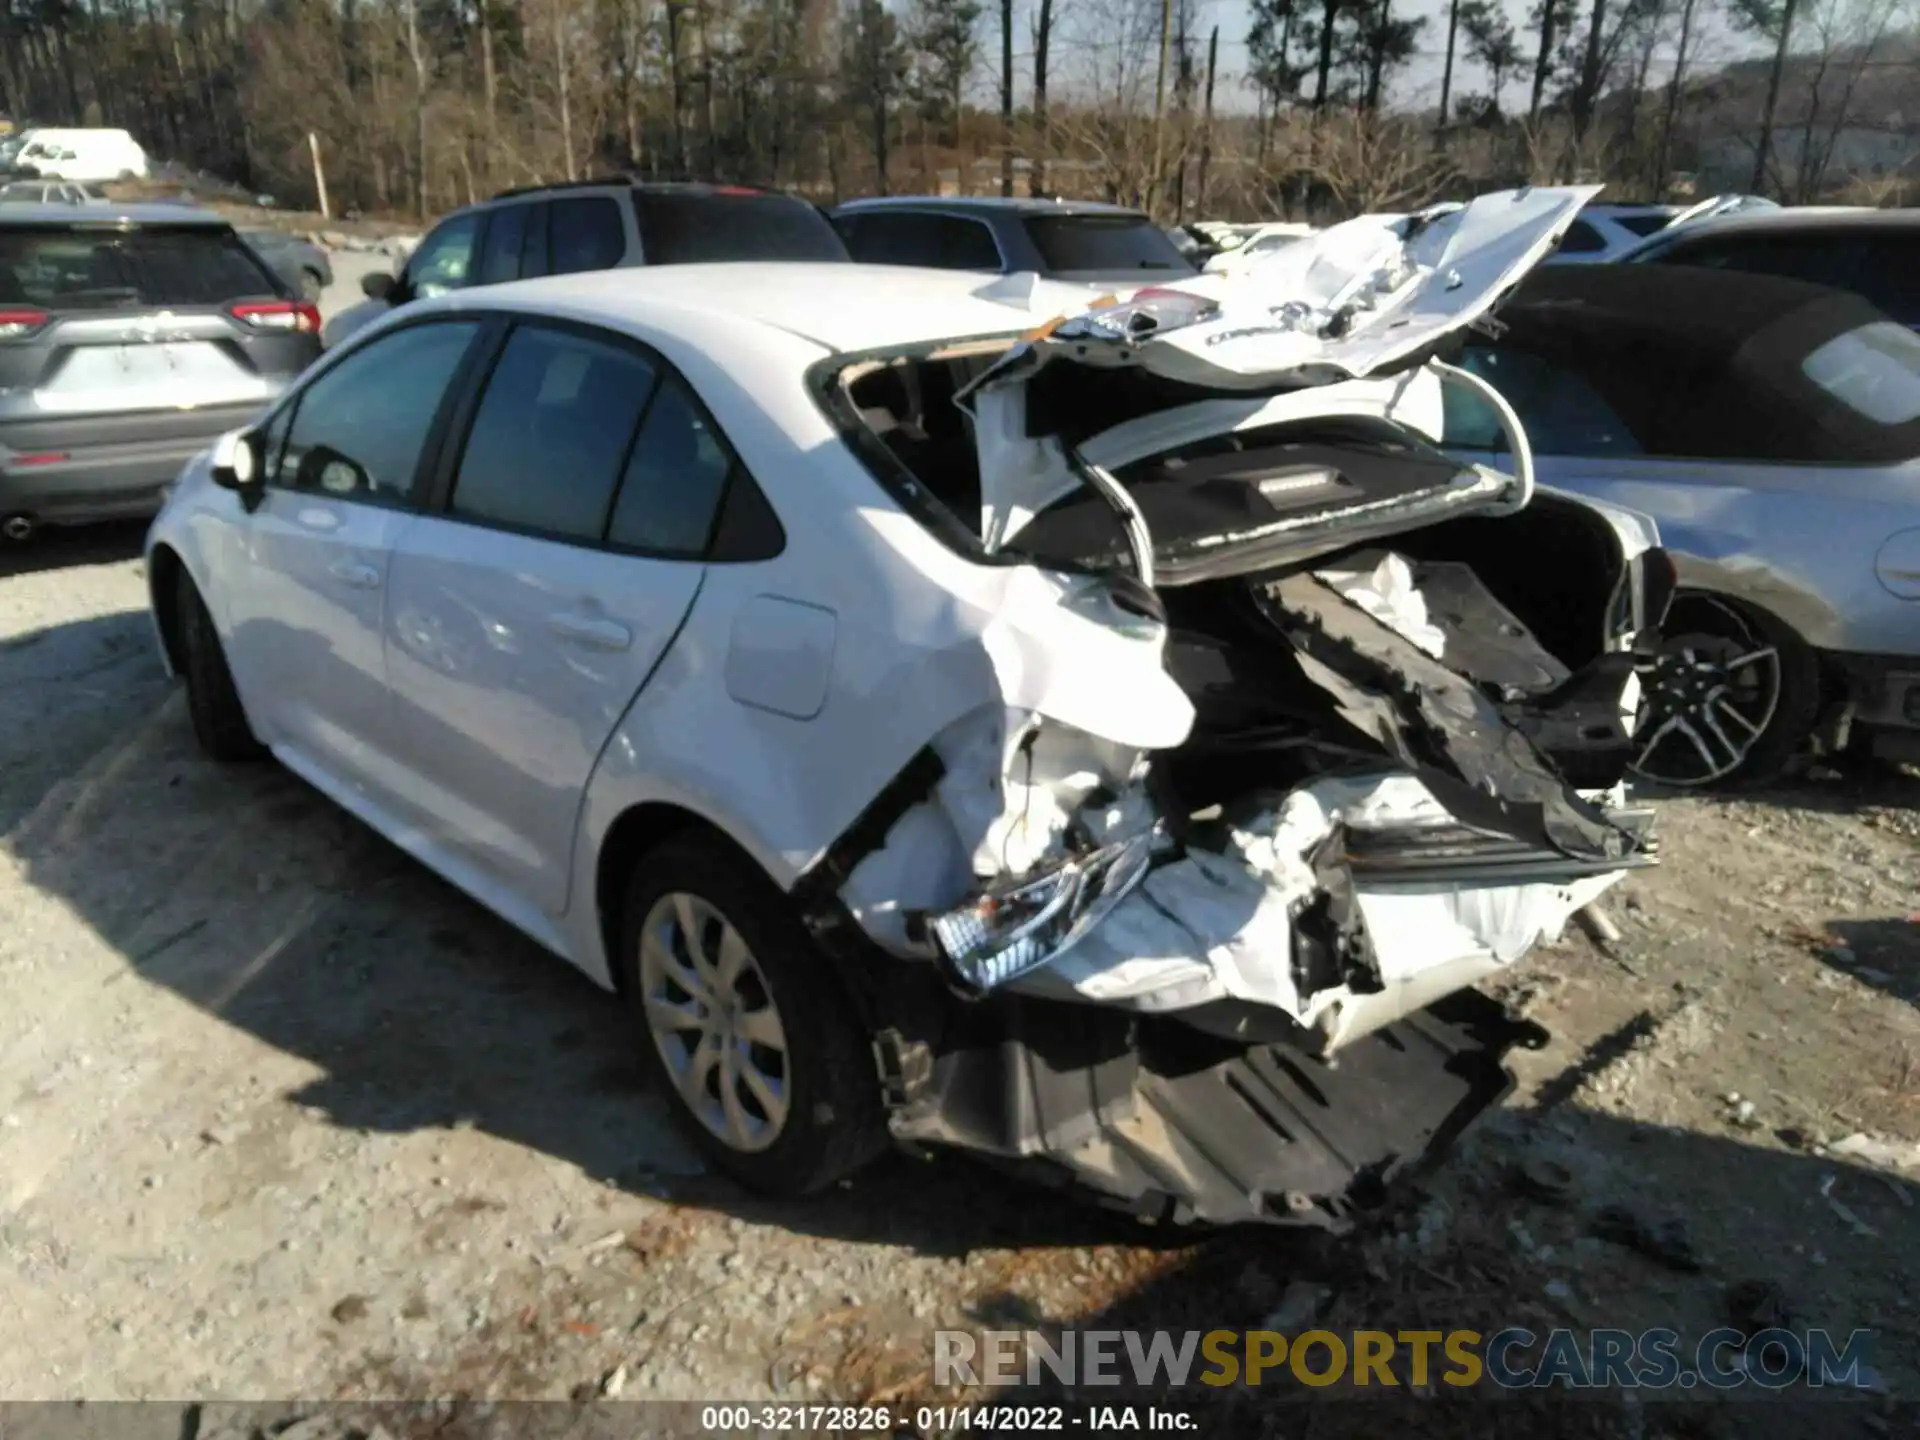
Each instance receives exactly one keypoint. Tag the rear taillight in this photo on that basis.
(294, 315)
(19, 324)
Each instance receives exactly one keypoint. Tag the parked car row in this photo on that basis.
(1820, 615)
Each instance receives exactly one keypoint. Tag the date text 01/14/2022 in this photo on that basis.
(938, 1419)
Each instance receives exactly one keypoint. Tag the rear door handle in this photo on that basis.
(597, 634)
(351, 572)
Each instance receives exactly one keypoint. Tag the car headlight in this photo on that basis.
(1007, 931)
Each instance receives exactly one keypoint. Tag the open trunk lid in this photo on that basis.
(1232, 423)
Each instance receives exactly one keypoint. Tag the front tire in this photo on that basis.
(743, 1024)
(219, 719)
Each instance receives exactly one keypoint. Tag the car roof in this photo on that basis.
(647, 187)
(1809, 219)
(108, 213)
(842, 307)
(985, 205)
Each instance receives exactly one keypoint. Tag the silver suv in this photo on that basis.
(596, 225)
(130, 338)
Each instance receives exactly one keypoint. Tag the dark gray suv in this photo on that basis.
(130, 338)
(1060, 239)
(603, 224)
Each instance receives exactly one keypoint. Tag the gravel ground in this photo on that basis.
(282, 1114)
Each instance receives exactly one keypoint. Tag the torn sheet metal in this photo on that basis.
(1361, 661)
(1226, 923)
(1356, 299)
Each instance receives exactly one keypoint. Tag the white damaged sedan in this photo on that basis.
(1109, 737)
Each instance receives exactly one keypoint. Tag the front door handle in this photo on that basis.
(584, 630)
(352, 572)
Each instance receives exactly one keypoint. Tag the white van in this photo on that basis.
(83, 155)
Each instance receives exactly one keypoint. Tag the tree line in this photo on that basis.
(420, 105)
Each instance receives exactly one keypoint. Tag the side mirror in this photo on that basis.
(237, 466)
(380, 286)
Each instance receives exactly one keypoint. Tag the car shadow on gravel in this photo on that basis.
(1643, 1227)
(244, 891)
(65, 547)
(1883, 952)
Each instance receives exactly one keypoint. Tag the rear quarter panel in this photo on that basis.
(1796, 540)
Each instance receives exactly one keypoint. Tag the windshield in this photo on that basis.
(1070, 243)
(110, 267)
(695, 227)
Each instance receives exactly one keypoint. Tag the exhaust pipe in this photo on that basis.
(18, 528)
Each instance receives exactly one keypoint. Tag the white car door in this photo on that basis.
(529, 610)
(306, 596)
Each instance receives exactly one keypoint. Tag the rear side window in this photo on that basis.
(584, 232)
(550, 438)
(506, 237)
(674, 481)
(82, 268)
(358, 431)
(692, 227)
(1642, 225)
(1581, 239)
(940, 242)
(1874, 371)
(1103, 242)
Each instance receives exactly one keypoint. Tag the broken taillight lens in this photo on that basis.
(290, 315)
(1144, 315)
(1004, 933)
(19, 324)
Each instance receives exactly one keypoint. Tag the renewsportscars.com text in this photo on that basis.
(1513, 1358)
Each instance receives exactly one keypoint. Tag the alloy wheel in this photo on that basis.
(713, 1019)
(1710, 695)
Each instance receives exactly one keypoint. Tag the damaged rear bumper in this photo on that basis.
(1172, 1124)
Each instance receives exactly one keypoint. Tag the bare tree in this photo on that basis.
(873, 75)
(1042, 137)
(1006, 98)
(1367, 161)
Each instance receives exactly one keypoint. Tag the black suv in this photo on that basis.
(1874, 253)
(597, 225)
(130, 338)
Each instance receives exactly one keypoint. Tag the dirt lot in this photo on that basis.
(281, 1114)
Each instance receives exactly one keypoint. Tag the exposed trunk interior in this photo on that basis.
(1524, 600)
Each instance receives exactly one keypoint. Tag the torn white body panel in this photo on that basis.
(1221, 926)
(1353, 300)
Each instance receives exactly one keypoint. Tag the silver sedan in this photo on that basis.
(1772, 428)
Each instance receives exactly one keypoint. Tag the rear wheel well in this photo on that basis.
(163, 571)
(637, 831)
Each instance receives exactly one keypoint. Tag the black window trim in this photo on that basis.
(451, 445)
(413, 499)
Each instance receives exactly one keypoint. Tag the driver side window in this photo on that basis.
(445, 259)
(358, 432)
